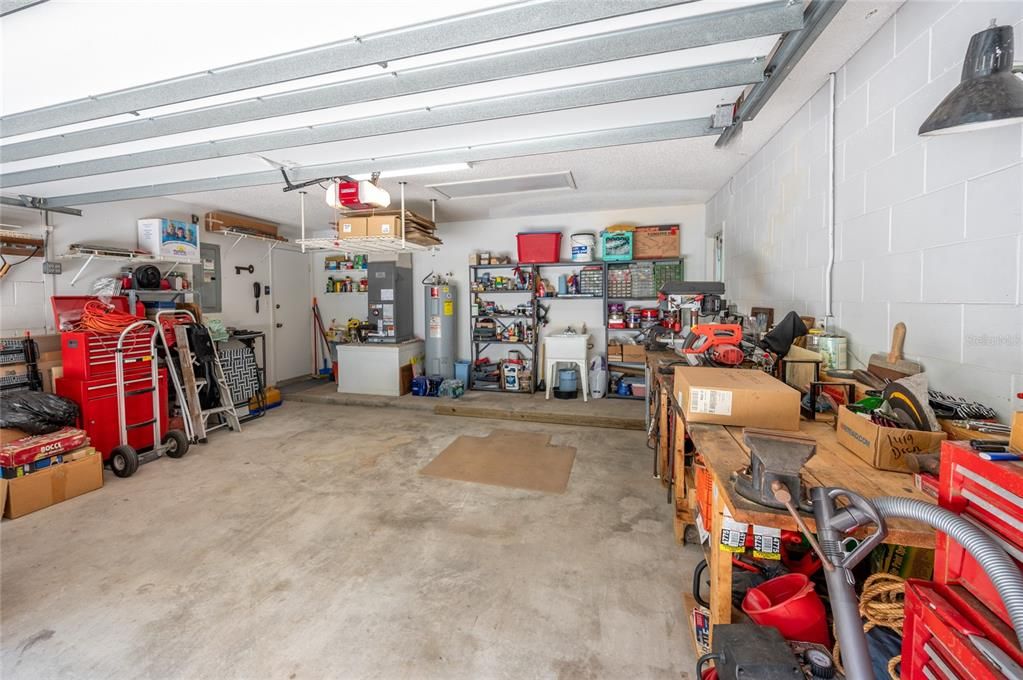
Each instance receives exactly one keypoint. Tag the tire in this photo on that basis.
(124, 461)
(176, 444)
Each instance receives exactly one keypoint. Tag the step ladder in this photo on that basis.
(200, 417)
(172, 368)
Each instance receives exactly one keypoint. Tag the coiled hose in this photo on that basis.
(1000, 568)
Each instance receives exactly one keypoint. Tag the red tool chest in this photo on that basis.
(990, 494)
(88, 355)
(98, 402)
(949, 634)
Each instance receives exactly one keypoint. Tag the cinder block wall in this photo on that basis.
(928, 231)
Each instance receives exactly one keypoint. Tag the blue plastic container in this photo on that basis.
(462, 371)
(568, 380)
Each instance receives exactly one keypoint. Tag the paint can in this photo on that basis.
(633, 317)
(583, 245)
(835, 350)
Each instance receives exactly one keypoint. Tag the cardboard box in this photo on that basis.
(172, 239)
(903, 561)
(351, 227)
(633, 353)
(1016, 437)
(884, 448)
(614, 352)
(736, 396)
(383, 225)
(53, 485)
(651, 243)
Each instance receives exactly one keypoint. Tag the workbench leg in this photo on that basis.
(664, 440)
(720, 567)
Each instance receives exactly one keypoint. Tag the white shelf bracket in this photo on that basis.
(78, 274)
(234, 245)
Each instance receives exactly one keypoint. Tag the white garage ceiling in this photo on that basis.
(670, 172)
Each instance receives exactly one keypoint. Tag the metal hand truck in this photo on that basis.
(124, 459)
(179, 391)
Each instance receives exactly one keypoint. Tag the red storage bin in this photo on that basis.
(539, 247)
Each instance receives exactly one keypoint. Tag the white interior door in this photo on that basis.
(292, 314)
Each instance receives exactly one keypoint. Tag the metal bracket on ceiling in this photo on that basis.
(36, 203)
(289, 186)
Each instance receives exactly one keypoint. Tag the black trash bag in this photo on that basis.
(37, 412)
(784, 333)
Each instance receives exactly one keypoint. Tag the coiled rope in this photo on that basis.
(882, 603)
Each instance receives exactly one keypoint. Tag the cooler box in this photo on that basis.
(539, 247)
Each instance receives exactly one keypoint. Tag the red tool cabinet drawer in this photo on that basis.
(97, 400)
(947, 634)
(991, 495)
(87, 355)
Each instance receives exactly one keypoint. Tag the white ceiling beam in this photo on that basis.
(773, 18)
(511, 21)
(663, 84)
(641, 134)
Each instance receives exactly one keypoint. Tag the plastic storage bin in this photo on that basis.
(462, 371)
(616, 246)
(539, 247)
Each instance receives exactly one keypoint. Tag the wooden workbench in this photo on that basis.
(723, 453)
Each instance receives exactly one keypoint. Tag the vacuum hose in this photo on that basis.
(1000, 568)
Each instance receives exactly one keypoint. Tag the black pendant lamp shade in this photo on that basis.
(988, 95)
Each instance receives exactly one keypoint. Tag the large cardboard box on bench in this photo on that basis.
(54, 484)
(885, 448)
(736, 396)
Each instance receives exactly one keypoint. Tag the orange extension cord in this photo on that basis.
(103, 318)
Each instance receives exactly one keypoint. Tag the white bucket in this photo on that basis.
(583, 246)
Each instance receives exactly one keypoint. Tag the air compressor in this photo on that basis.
(440, 297)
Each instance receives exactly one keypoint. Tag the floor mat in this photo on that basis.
(519, 460)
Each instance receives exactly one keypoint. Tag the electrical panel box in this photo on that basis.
(206, 277)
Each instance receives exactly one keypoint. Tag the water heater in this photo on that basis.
(440, 328)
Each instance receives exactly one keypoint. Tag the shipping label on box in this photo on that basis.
(172, 239)
(382, 226)
(718, 402)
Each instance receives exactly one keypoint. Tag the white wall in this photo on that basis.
(25, 292)
(498, 237)
(929, 231)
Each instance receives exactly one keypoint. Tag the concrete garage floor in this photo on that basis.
(308, 546)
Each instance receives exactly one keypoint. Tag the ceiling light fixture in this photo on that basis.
(425, 170)
(989, 94)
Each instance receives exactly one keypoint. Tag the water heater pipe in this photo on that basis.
(828, 293)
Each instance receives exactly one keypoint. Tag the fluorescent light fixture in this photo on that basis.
(498, 186)
(425, 170)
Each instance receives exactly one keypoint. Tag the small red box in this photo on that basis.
(539, 247)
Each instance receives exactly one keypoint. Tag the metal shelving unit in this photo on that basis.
(479, 346)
